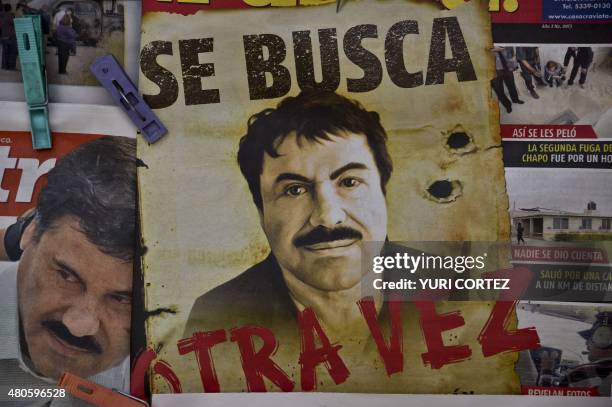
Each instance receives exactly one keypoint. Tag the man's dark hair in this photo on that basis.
(96, 183)
(312, 115)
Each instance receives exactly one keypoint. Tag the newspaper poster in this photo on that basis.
(68, 228)
(221, 314)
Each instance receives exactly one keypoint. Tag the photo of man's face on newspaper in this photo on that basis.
(72, 306)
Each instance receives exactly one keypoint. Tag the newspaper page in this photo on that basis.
(553, 83)
(236, 279)
(68, 222)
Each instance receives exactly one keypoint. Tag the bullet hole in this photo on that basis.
(458, 140)
(444, 191)
(440, 189)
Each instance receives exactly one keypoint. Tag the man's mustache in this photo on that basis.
(87, 343)
(321, 234)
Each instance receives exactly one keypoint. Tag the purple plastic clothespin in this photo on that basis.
(124, 93)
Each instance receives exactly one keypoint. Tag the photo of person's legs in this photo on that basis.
(498, 86)
(527, 77)
(63, 53)
(575, 68)
(583, 75)
(508, 79)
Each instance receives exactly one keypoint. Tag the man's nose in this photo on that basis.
(82, 318)
(328, 210)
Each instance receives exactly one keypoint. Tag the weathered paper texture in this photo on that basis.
(201, 228)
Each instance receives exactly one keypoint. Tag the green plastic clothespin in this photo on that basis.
(31, 47)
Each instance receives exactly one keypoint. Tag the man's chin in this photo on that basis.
(55, 370)
(333, 273)
(52, 365)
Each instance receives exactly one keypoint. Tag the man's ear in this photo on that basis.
(29, 235)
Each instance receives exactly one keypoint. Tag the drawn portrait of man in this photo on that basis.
(317, 166)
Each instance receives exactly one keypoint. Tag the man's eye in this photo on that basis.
(350, 182)
(296, 190)
(68, 276)
(122, 299)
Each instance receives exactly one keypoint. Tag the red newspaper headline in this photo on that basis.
(562, 132)
(559, 391)
(23, 169)
(317, 349)
(190, 7)
(516, 11)
(559, 254)
(187, 7)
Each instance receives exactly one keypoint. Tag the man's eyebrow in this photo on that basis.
(291, 177)
(347, 167)
(66, 267)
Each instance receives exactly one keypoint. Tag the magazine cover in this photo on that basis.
(68, 229)
(293, 139)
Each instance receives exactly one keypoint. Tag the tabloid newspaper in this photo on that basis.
(553, 84)
(336, 206)
(65, 296)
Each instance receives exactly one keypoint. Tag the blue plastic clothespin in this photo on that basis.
(124, 93)
(31, 47)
